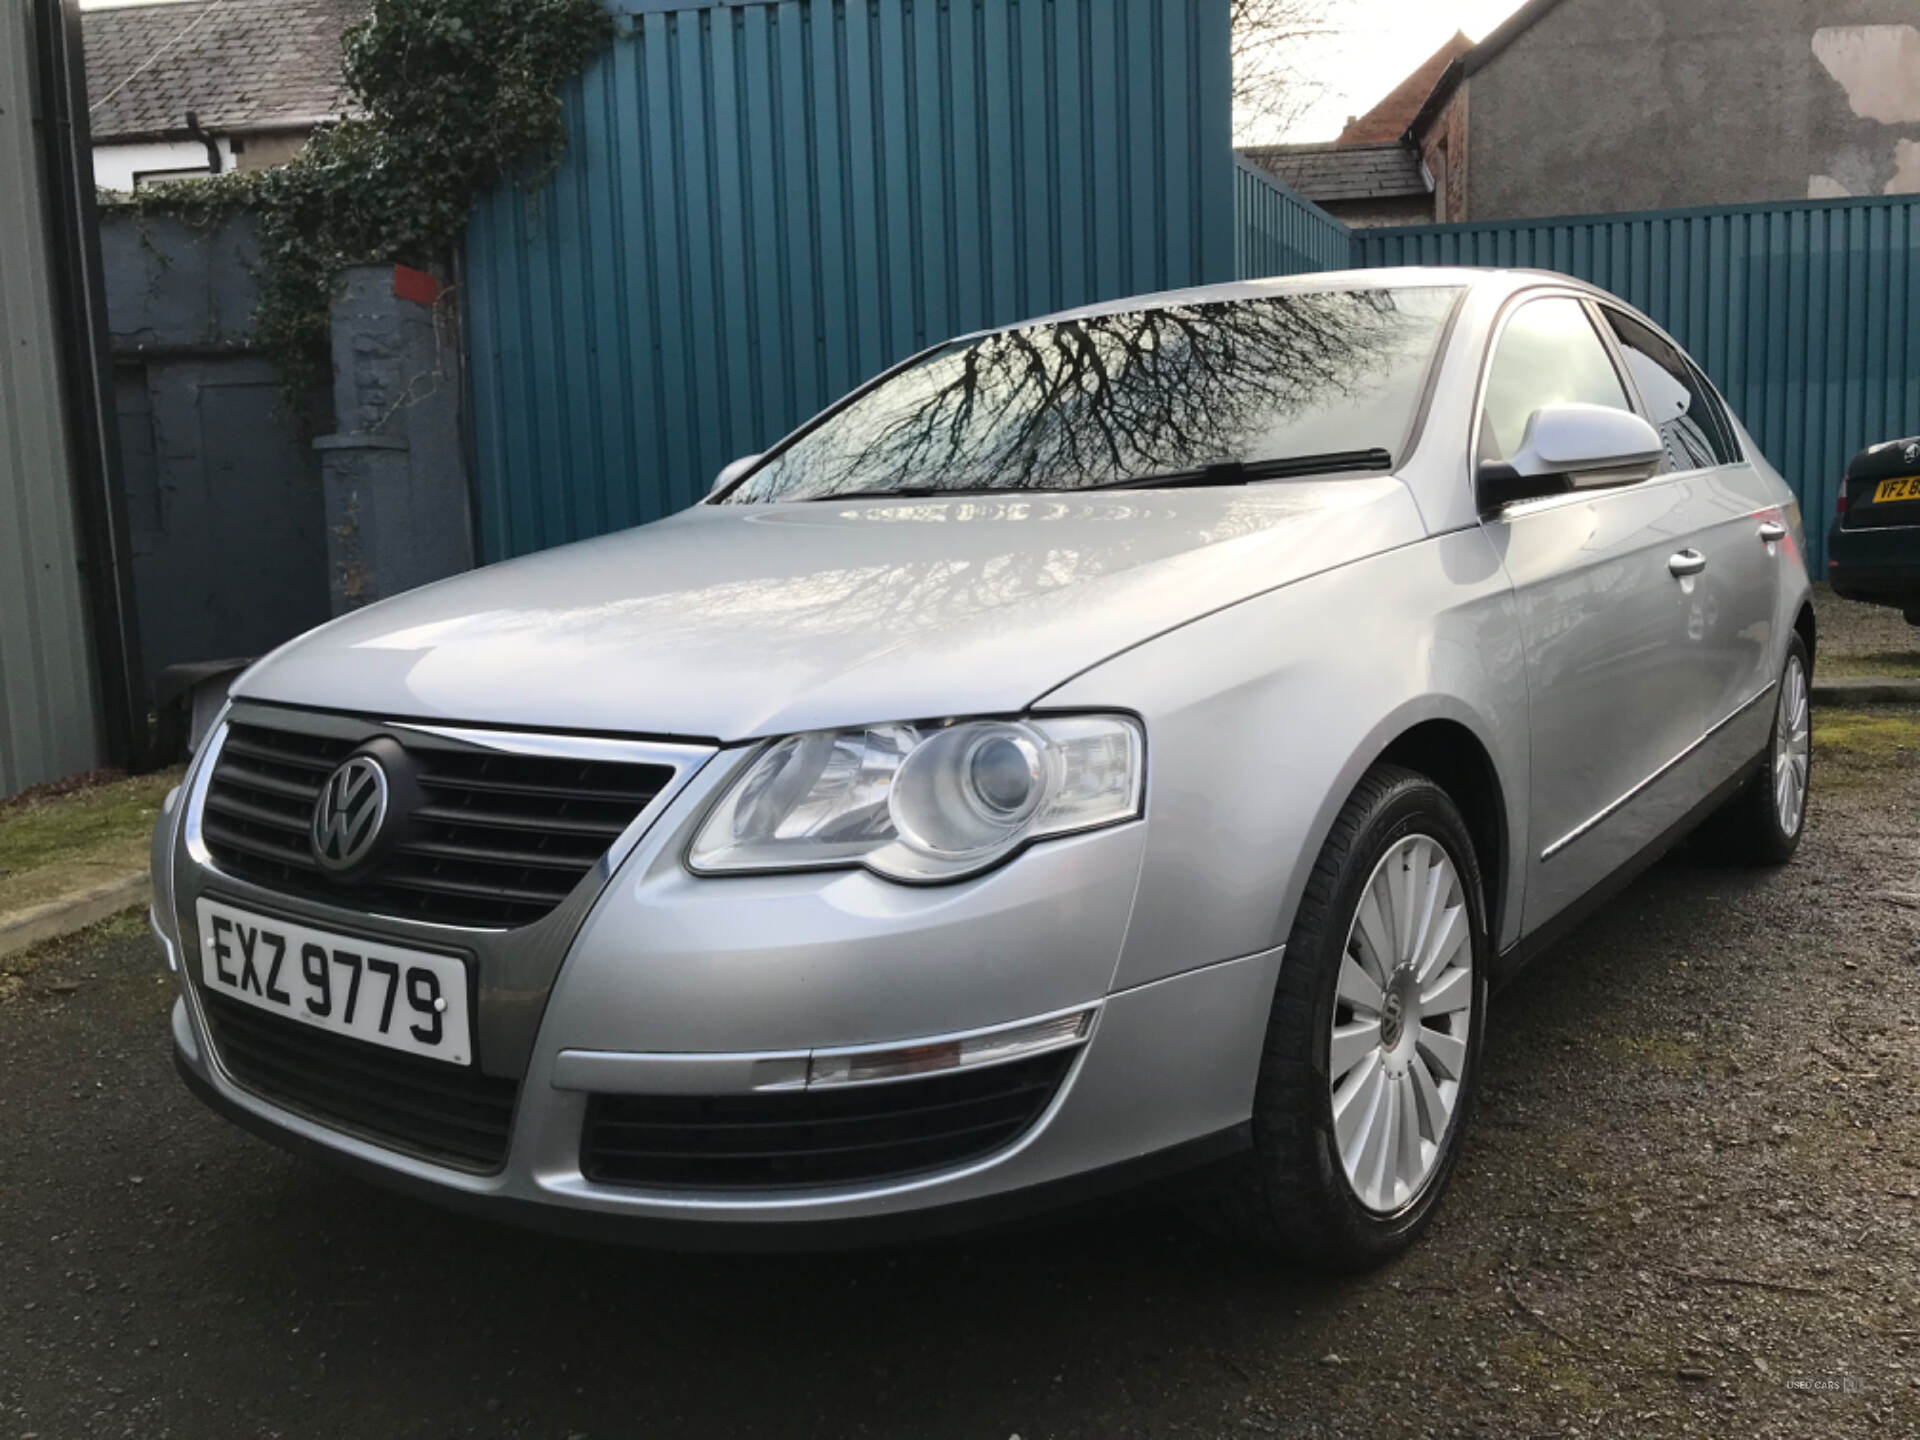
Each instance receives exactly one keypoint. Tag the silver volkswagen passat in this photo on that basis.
(1098, 747)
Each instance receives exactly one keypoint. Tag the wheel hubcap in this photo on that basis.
(1401, 1019)
(1792, 748)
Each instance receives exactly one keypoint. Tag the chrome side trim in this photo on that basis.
(620, 1072)
(1589, 824)
(628, 1072)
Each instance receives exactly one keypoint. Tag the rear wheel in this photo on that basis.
(1373, 1047)
(1763, 824)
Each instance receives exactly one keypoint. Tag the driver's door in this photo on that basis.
(1604, 612)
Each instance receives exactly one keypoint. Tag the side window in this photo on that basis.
(1681, 405)
(1727, 443)
(1549, 354)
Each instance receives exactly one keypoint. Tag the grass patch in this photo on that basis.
(50, 846)
(1889, 665)
(1852, 748)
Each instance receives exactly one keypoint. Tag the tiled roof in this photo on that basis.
(237, 64)
(1328, 174)
(1386, 122)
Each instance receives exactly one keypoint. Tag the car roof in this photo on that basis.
(1503, 280)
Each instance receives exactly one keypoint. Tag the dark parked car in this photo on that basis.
(1873, 553)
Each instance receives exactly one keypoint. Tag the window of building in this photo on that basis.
(144, 179)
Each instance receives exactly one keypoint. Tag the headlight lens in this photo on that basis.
(923, 802)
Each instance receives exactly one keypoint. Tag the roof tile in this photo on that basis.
(237, 64)
(1386, 122)
(1332, 173)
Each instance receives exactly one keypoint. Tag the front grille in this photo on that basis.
(499, 841)
(816, 1137)
(440, 1112)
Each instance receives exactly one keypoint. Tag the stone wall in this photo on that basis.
(1605, 105)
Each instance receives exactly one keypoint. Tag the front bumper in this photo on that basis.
(663, 983)
(1092, 1142)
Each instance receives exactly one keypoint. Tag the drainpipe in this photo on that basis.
(214, 164)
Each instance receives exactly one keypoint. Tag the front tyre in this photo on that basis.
(1373, 1048)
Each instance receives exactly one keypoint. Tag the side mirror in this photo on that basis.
(1571, 447)
(730, 473)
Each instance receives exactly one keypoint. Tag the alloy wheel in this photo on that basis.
(1792, 748)
(1401, 1023)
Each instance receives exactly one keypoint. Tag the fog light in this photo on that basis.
(867, 1065)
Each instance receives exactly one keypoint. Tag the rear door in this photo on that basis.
(1612, 695)
(1739, 528)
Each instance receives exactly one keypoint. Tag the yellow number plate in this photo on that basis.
(1907, 489)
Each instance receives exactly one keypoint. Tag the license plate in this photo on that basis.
(407, 1000)
(1905, 489)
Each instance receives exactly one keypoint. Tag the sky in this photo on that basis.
(1375, 45)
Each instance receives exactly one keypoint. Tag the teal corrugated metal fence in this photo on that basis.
(1807, 315)
(762, 204)
(1278, 231)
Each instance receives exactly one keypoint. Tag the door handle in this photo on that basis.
(1687, 562)
(1772, 531)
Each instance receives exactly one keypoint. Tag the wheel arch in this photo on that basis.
(1448, 753)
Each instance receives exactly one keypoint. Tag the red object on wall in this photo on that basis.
(415, 285)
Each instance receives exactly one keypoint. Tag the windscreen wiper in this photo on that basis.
(910, 492)
(1241, 472)
(1227, 472)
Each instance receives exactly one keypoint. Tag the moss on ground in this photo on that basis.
(1872, 732)
(48, 847)
(1852, 748)
(1887, 665)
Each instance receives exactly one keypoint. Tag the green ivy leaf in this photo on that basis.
(452, 98)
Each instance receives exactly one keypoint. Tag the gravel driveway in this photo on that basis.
(1691, 1205)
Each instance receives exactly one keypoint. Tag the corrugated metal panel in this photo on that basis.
(763, 204)
(1278, 231)
(1806, 315)
(48, 724)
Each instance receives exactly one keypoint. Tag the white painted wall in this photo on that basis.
(1879, 68)
(114, 166)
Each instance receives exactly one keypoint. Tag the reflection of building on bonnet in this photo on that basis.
(1327, 379)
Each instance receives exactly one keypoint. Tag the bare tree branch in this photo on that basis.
(1106, 398)
(1273, 84)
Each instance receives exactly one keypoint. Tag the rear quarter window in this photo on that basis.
(1694, 427)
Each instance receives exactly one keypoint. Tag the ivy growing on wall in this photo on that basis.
(449, 98)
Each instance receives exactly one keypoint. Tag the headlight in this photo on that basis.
(922, 802)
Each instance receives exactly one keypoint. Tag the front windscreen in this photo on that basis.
(1123, 398)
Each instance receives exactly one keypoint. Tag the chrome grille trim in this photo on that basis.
(515, 968)
(263, 767)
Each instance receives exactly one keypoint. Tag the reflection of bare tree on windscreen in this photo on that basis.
(1105, 398)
